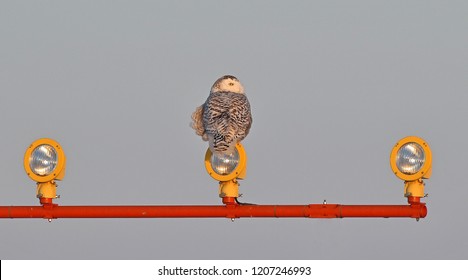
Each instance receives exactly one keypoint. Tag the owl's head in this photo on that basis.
(227, 83)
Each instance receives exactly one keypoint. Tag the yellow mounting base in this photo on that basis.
(414, 188)
(229, 188)
(47, 190)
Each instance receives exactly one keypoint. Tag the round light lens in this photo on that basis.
(224, 164)
(43, 160)
(410, 158)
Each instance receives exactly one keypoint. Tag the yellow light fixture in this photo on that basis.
(45, 162)
(227, 169)
(411, 161)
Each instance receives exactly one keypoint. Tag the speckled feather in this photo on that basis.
(225, 118)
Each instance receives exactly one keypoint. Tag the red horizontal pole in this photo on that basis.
(53, 211)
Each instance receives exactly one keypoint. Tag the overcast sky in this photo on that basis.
(333, 85)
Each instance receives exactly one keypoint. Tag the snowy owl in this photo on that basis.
(225, 118)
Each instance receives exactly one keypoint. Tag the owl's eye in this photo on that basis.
(231, 84)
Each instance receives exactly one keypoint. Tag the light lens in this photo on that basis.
(224, 164)
(43, 160)
(410, 158)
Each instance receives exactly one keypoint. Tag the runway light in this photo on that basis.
(227, 169)
(411, 161)
(45, 162)
(224, 164)
(410, 158)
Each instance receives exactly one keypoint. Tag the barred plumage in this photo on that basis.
(225, 118)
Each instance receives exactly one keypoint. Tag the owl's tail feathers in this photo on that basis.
(222, 144)
(197, 123)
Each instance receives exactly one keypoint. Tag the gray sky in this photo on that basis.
(333, 86)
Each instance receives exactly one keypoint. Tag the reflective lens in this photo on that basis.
(410, 158)
(43, 160)
(225, 164)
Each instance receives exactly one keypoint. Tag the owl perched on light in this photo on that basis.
(225, 118)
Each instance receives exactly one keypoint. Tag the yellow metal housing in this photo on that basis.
(238, 173)
(229, 189)
(426, 169)
(414, 188)
(46, 190)
(59, 171)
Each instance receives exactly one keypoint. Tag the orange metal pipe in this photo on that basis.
(54, 211)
